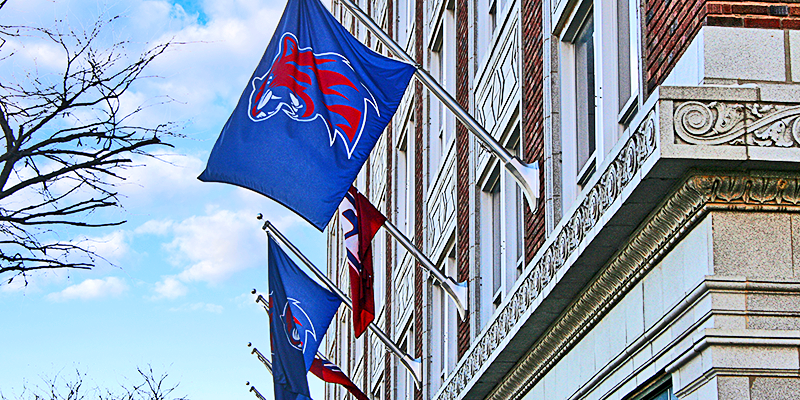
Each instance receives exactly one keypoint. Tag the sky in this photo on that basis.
(174, 291)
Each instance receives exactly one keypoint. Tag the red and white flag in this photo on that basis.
(360, 221)
(329, 372)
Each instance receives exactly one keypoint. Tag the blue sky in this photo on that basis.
(174, 293)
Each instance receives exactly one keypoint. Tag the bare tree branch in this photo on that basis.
(67, 141)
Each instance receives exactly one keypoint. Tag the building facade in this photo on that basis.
(663, 260)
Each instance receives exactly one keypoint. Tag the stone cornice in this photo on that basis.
(699, 193)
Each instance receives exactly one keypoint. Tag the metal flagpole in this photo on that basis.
(254, 390)
(527, 175)
(414, 366)
(261, 357)
(457, 291)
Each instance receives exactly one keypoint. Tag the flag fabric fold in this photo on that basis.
(331, 373)
(359, 221)
(310, 114)
(300, 311)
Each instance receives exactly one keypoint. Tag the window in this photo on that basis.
(501, 234)
(405, 381)
(585, 98)
(655, 389)
(448, 319)
(404, 200)
(627, 58)
(443, 67)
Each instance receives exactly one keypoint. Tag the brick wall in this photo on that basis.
(463, 236)
(533, 115)
(670, 25)
(418, 186)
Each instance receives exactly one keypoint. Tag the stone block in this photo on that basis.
(697, 255)
(774, 388)
(773, 302)
(728, 301)
(653, 299)
(754, 357)
(708, 391)
(733, 387)
(690, 372)
(796, 244)
(770, 322)
(744, 54)
(734, 253)
(725, 321)
(779, 93)
(794, 48)
(634, 312)
(748, 92)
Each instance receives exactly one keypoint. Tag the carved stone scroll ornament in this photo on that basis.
(738, 124)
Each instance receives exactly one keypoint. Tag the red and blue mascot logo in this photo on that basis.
(308, 86)
(297, 326)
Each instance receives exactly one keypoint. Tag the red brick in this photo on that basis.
(794, 10)
(762, 23)
(750, 9)
(714, 8)
(790, 23)
(713, 20)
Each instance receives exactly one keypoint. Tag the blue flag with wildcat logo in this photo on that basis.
(300, 311)
(309, 116)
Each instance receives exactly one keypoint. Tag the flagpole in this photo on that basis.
(254, 390)
(412, 365)
(456, 291)
(526, 175)
(261, 357)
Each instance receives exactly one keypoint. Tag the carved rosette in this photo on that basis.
(737, 124)
(597, 201)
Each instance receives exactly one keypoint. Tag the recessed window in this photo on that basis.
(659, 388)
(585, 97)
(627, 58)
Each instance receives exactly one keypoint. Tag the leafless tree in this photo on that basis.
(68, 136)
(148, 387)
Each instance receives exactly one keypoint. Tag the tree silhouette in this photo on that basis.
(68, 136)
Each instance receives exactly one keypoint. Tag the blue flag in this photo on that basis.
(300, 311)
(310, 115)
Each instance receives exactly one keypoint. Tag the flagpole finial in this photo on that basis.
(247, 383)
(260, 216)
(253, 291)
(249, 344)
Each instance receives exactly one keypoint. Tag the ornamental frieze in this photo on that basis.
(688, 204)
(619, 173)
(737, 124)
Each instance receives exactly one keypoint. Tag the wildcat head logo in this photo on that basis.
(298, 326)
(308, 86)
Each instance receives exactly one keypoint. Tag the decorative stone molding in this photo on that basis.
(403, 279)
(737, 124)
(692, 200)
(497, 88)
(619, 173)
(441, 206)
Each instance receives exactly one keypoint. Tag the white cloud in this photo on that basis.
(91, 289)
(213, 308)
(217, 245)
(112, 247)
(170, 288)
(154, 227)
